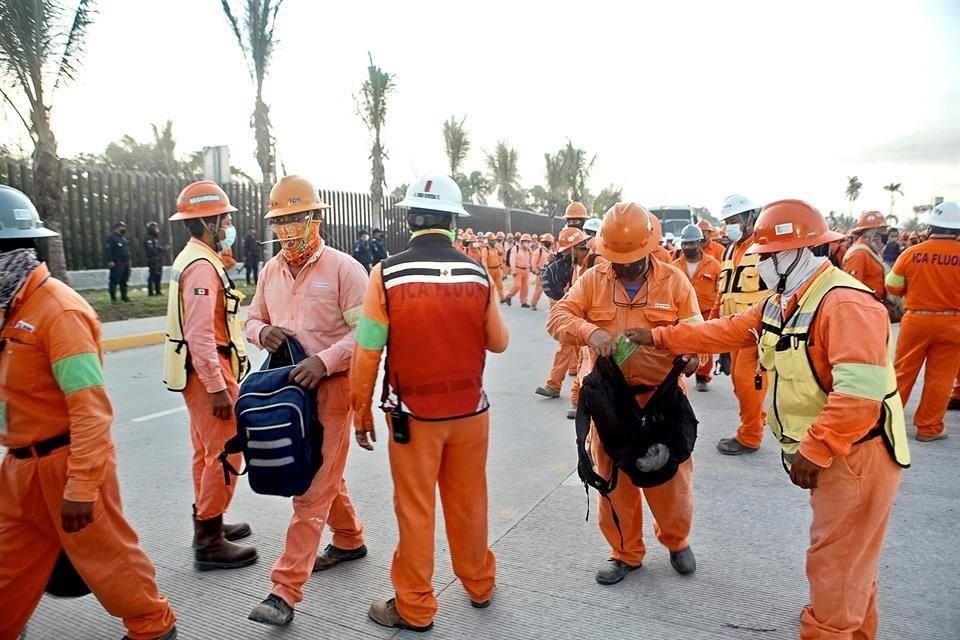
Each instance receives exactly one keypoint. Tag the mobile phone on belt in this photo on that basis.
(400, 422)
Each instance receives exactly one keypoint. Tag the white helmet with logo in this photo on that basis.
(945, 215)
(435, 193)
(735, 205)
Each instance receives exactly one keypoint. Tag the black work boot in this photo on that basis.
(273, 611)
(613, 571)
(683, 561)
(169, 635)
(332, 556)
(732, 447)
(213, 551)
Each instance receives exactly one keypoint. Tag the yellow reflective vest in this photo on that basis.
(176, 356)
(798, 397)
(740, 285)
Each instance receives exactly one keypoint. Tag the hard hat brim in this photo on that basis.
(617, 257)
(27, 234)
(433, 205)
(794, 243)
(193, 215)
(282, 212)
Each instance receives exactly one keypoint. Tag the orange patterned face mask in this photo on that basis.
(298, 240)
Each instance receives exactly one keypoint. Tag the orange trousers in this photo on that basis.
(326, 501)
(564, 360)
(521, 284)
(851, 509)
(932, 342)
(706, 369)
(753, 417)
(956, 389)
(671, 505)
(496, 278)
(537, 290)
(105, 553)
(208, 434)
(453, 456)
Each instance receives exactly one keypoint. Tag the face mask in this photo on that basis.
(122, 232)
(631, 271)
(298, 240)
(229, 237)
(526, 245)
(692, 254)
(734, 232)
(547, 245)
(786, 271)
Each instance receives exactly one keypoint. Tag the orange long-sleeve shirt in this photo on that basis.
(541, 257)
(597, 300)
(520, 258)
(51, 380)
(492, 258)
(204, 321)
(863, 263)
(929, 275)
(850, 328)
(704, 280)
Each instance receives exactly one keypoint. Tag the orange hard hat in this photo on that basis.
(202, 199)
(293, 194)
(575, 210)
(491, 235)
(790, 224)
(547, 237)
(526, 238)
(571, 237)
(704, 225)
(627, 233)
(870, 220)
(501, 235)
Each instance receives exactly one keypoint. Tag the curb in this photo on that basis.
(133, 341)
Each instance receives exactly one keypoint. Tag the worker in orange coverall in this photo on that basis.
(711, 247)
(632, 290)
(928, 274)
(703, 273)
(59, 494)
(863, 260)
(825, 341)
(204, 359)
(435, 313)
(492, 260)
(520, 263)
(313, 293)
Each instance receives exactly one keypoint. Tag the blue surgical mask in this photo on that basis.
(734, 232)
(229, 237)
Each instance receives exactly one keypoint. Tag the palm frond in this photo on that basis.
(74, 48)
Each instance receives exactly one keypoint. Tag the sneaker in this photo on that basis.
(702, 386)
(273, 611)
(572, 413)
(384, 613)
(683, 561)
(547, 392)
(332, 556)
(925, 438)
(613, 571)
(524, 305)
(732, 447)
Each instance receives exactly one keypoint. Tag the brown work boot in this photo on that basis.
(213, 551)
(230, 531)
(922, 437)
(384, 613)
(332, 556)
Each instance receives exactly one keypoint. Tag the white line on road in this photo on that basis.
(158, 414)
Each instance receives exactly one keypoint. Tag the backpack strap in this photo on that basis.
(230, 447)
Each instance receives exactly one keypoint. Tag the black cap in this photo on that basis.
(377, 231)
(117, 225)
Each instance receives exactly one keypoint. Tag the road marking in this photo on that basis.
(158, 414)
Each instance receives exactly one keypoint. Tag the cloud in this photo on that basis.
(933, 145)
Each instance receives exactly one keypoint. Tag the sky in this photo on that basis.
(682, 102)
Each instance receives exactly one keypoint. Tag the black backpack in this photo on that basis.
(648, 444)
(556, 276)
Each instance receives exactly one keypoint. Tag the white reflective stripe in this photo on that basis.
(436, 279)
(434, 265)
(269, 426)
(268, 462)
(697, 319)
(269, 444)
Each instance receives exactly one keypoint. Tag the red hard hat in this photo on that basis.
(790, 224)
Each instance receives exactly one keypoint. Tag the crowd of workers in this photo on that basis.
(797, 315)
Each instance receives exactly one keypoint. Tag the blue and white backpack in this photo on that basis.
(277, 428)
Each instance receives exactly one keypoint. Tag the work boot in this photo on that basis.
(481, 605)
(213, 551)
(572, 413)
(509, 301)
(503, 300)
(702, 384)
(524, 305)
(613, 571)
(732, 447)
(533, 307)
(683, 561)
(384, 613)
(230, 531)
(274, 611)
(937, 436)
(954, 404)
(169, 635)
(572, 373)
(547, 392)
(332, 556)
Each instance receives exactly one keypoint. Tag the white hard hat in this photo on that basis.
(945, 215)
(668, 237)
(735, 205)
(435, 193)
(691, 233)
(592, 225)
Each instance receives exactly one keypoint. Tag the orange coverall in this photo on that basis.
(704, 281)
(492, 260)
(745, 367)
(51, 383)
(322, 306)
(567, 358)
(858, 483)
(661, 254)
(714, 250)
(449, 454)
(928, 274)
(520, 262)
(863, 263)
(541, 258)
(204, 328)
(597, 300)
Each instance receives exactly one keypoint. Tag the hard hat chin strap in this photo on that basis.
(782, 282)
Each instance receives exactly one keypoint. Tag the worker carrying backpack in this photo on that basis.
(277, 428)
(555, 278)
(646, 443)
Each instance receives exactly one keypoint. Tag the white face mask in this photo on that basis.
(734, 232)
(786, 271)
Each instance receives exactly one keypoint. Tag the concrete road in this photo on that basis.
(749, 535)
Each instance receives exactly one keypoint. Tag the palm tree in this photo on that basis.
(165, 144)
(557, 186)
(456, 143)
(576, 170)
(607, 197)
(505, 178)
(256, 41)
(41, 47)
(894, 189)
(480, 187)
(372, 109)
(853, 190)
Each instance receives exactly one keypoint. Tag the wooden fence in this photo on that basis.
(95, 199)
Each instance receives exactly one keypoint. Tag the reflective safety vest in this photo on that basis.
(176, 356)
(740, 285)
(798, 396)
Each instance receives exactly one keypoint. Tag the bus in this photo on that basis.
(674, 218)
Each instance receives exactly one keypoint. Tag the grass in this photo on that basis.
(141, 305)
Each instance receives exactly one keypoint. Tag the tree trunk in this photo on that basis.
(48, 191)
(261, 129)
(376, 185)
(506, 220)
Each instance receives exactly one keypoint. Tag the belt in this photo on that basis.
(933, 313)
(41, 449)
(873, 433)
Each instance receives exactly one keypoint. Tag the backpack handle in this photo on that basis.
(290, 354)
